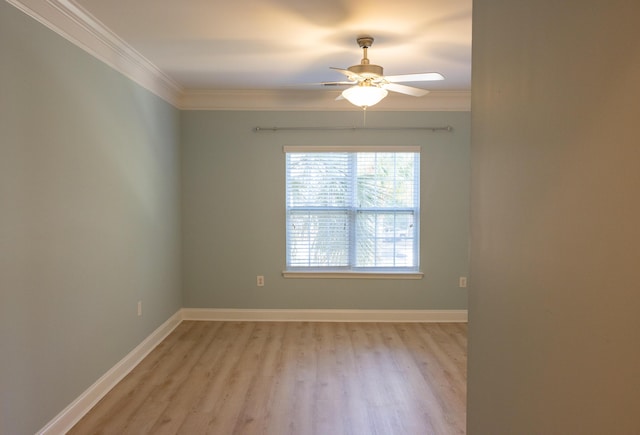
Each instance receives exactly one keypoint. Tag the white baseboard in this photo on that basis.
(424, 316)
(79, 407)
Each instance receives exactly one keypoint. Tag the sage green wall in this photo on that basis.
(554, 330)
(89, 220)
(233, 210)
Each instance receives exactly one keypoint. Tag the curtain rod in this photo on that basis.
(433, 129)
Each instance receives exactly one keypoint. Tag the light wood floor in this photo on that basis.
(293, 378)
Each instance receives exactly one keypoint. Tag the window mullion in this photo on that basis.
(416, 208)
(353, 209)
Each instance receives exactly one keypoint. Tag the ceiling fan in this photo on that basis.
(370, 86)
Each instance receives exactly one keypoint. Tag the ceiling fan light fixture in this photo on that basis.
(364, 96)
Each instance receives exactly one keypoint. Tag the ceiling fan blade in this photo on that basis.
(346, 72)
(419, 77)
(408, 90)
(338, 83)
(350, 74)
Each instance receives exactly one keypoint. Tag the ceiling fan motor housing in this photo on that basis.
(367, 70)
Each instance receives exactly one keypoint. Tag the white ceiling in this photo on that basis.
(287, 44)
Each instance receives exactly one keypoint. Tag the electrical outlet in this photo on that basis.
(462, 282)
(139, 308)
(260, 281)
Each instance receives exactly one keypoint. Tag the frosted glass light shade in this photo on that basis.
(364, 96)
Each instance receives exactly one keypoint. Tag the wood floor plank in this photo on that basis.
(206, 415)
(415, 398)
(191, 388)
(166, 395)
(293, 378)
(439, 372)
(255, 409)
(331, 392)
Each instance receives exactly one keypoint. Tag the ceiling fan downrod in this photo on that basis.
(365, 42)
(365, 68)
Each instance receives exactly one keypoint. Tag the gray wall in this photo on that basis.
(89, 220)
(554, 329)
(233, 210)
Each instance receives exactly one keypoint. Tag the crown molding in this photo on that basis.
(322, 100)
(78, 26)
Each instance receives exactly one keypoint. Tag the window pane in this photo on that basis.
(386, 179)
(318, 179)
(385, 239)
(318, 238)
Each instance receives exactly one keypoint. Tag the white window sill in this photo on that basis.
(352, 275)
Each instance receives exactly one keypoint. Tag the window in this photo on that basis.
(353, 209)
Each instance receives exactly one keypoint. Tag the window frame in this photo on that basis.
(392, 272)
